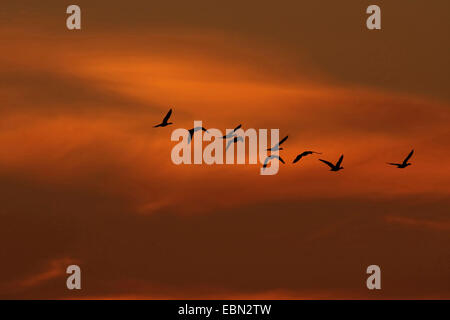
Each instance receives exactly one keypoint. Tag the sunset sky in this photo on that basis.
(85, 178)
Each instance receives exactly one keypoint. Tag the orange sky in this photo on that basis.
(86, 179)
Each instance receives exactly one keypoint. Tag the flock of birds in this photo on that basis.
(235, 139)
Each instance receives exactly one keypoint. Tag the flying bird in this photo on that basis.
(405, 163)
(164, 123)
(277, 146)
(334, 167)
(236, 139)
(266, 162)
(231, 134)
(303, 154)
(191, 132)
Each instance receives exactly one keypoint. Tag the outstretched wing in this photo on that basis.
(283, 140)
(278, 144)
(193, 130)
(327, 163)
(303, 154)
(166, 118)
(393, 164)
(229, 135)
(338, 164)
(298, 158)
(191, 133)
(408, 157)
(267, 161)
(198, 129)
(237, 128)
(270, 158)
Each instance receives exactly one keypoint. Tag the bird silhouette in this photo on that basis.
(191, 132)
(236, 139)
(334, 167)
(164, 123)
(277, 146)
(266, 162)
(231, 134)
(405, 163)
(303, 154)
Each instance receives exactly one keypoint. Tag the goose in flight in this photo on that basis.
(164, 123)
(231, 134)
(236, 139)
(277, 146)
(405, 163)
(334, 167)
(303, 154)
(193, 130)
(266, 162)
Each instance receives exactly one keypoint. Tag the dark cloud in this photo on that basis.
(99, 189)
(46, 92)
(321, 245)
(404, 56)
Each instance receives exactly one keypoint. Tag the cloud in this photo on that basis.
(312, 248)
(347, 51)
(84, 174)
(55, 269)
(420, 223)
(47, 92)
